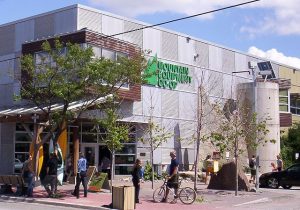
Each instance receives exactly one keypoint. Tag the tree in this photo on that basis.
(290, 145)
(116, 134)
(155, 136)
(67, 73)
(239, 132)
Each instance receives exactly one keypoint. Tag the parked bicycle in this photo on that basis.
(186, 195)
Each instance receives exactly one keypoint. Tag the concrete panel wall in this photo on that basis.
(186, 50)
(111, 26)
(24, 32)
(169, 46)
(65, 21)
(187, 106)
(228, 61)
(44, 26)
(89, 19)
(215, 58)
(7, 39)
(151, 101)
(202, 49)
(135, 37)
(7, 65)
(170, 103)
(152, 41)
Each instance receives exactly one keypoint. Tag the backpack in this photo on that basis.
(251, 164)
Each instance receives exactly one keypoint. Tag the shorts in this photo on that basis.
(173, 182)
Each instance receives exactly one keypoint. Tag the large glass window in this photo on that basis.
(295, 105)
(284, 101)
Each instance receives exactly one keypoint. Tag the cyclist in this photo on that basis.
(172, 178)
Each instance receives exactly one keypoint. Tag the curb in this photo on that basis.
(34, 200)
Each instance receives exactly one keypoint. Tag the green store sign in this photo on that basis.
(166, 75)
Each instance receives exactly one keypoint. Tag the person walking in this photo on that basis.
(51, 175)
(207, 167)
(172, 178)
(136, 178)
(252, 165)
(81, 176)
(279, 163)
(28, 176)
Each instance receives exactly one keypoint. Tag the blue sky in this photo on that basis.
(268, 28)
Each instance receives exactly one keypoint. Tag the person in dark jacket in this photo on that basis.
(28, 176)
(51, 177)
(136, 178)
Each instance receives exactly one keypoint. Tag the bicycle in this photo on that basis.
(186, 195)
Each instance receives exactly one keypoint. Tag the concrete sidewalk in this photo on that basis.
(97, 200)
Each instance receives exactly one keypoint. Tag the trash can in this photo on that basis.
(123, 197)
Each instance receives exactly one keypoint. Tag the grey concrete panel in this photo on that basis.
(169, 46)
(171, 128)
(202, 50)
(151, 101)
(7, 39)
(186, 86)
(6, 95)
(227, 86)
(65, 21)
(112, 26)
(187, 106)
(152, 41)
(24, 32)
(228, 64)
(137, 107)
(215, 58)
(44, 26)
(214, 83)
(187, 131)
(135, 37)
(170, 103)
(7, 75)
(89, 19)
(241, 64)
(186, 50)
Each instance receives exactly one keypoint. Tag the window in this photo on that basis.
(284, 101)
(295, 105)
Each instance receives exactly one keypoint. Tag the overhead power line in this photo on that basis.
(183, 18)
(166, 22)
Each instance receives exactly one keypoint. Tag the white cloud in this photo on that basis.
(133, 8)
(274, 55)
(281, 16)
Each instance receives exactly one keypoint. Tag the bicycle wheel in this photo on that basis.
(159, 194)
(187, 195)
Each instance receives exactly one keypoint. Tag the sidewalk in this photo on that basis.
(96, 200)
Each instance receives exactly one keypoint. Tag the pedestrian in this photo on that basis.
(81, 176)
(172, 178)
(105, 166)
(51, 175)
(28, 176)
(136, 178)
(273, 167)
(69, 168)
(207, 167)
(279, 163)
(252, 165)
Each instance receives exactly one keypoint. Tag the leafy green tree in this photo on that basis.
(290, 145)
(67, 73)
(240, 128)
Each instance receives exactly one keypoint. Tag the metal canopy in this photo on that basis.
(19, 112)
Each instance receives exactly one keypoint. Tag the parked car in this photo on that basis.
(286, 178)
(18, 165)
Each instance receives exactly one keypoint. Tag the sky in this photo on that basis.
(266, 28)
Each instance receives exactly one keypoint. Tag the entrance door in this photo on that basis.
(91, 154)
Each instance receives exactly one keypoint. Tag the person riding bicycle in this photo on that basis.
(172, 178)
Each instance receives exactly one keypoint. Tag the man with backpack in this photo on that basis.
(252, 164)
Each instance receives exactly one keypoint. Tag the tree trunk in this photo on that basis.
(196, 164)
(236, 177)
(112, 169)
(152, 169)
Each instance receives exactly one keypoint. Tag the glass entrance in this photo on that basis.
(90, 153)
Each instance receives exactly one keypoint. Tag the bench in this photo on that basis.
(9, 181)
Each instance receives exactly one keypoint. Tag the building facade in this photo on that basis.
(171, 99)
